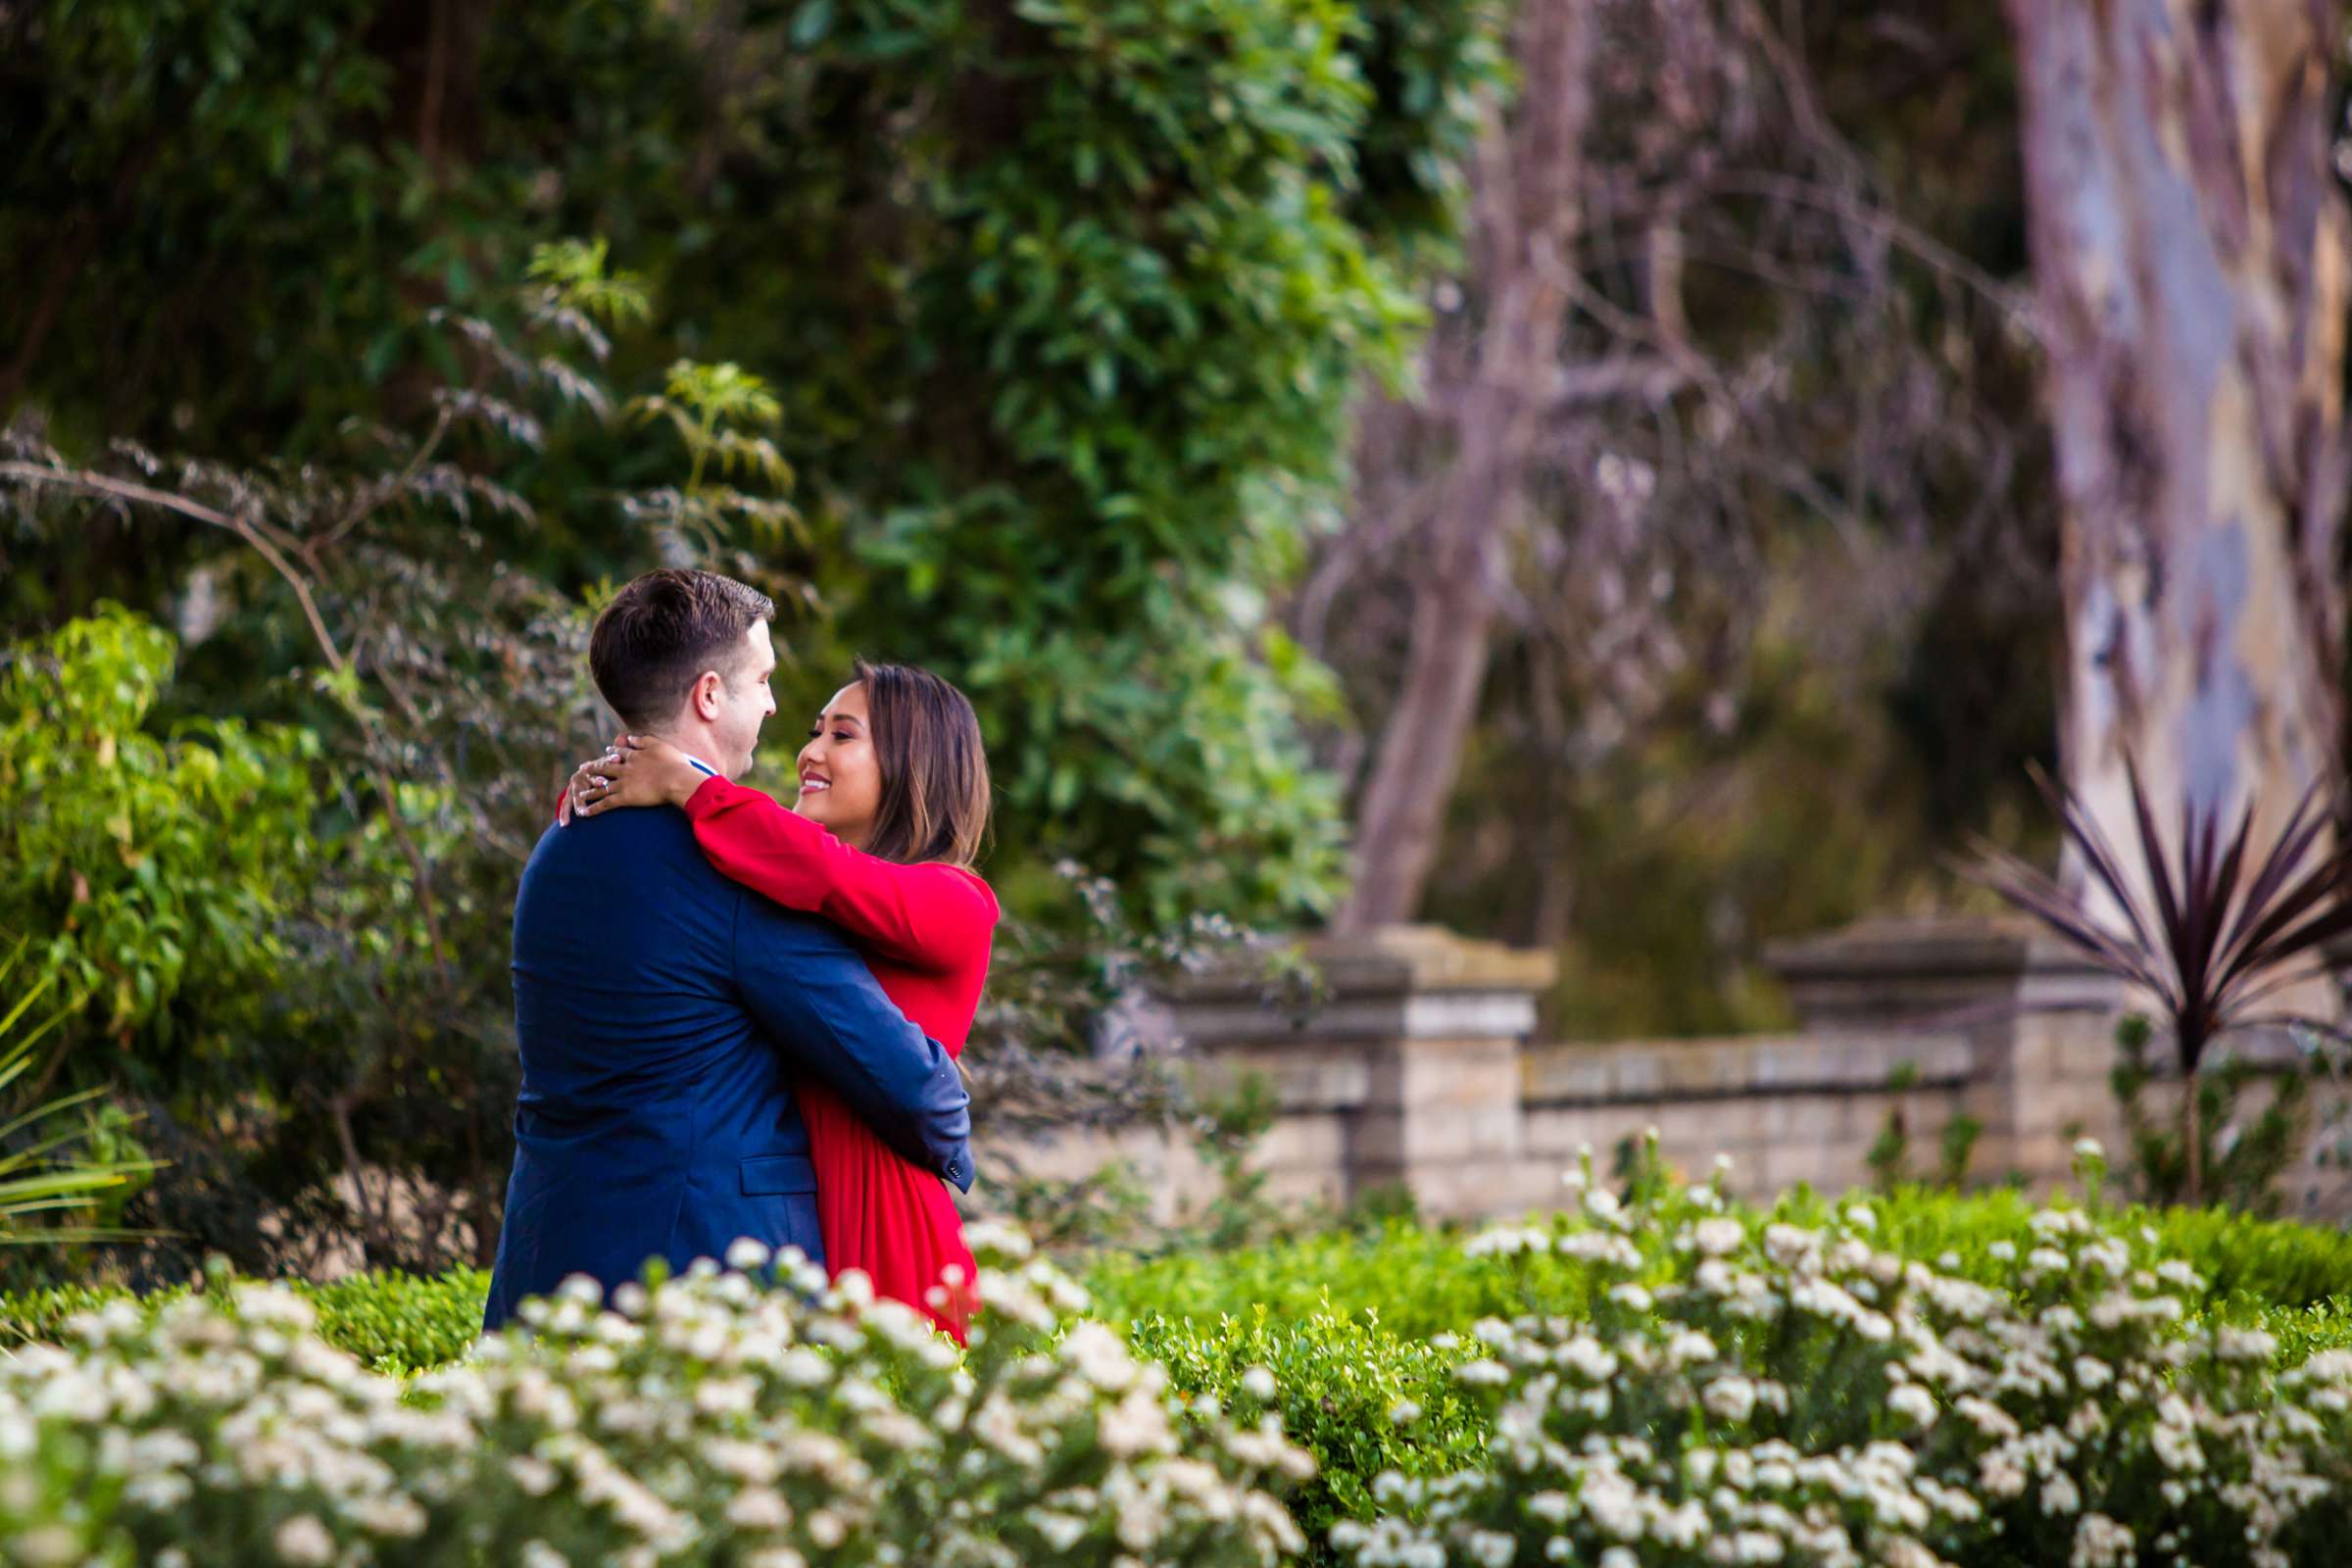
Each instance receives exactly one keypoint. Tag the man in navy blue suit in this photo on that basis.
(664, 1011)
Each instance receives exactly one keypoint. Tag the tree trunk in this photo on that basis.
(1493, 364)
(435, 49)
(2191, 255)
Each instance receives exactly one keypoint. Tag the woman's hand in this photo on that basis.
(639, 771)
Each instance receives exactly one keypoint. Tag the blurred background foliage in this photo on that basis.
(1076, 348)
(361, 348)
(1060, 306)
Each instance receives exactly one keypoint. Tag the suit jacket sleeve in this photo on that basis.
(926, 916)
(819, 1001)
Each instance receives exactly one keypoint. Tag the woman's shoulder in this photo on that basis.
(967, 884)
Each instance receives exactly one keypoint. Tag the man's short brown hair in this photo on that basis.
(661, 631)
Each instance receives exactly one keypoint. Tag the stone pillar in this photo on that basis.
(2039, 1018)
(1404, 1071)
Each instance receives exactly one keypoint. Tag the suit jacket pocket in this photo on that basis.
(778, 1173)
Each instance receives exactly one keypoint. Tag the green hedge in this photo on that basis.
(1400, 1281)
(1798, 1390)
(1415, 1281)
(1419, 1281)
(1409, 1362)
(708, 1421)
(2251, 1265)
(1354, 1330)
(395, 1323)
(1358, 1398)
(1340, 1312)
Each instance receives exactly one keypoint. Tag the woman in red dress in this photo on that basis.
(892, 809)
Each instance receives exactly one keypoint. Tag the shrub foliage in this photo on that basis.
(706, 1419)
(1665, 1375)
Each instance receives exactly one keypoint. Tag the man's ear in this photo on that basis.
(709, 687)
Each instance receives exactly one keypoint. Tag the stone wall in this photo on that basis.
(1418, 1067)
(1786, 1109)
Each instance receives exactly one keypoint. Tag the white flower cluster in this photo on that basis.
(708, 1419)
(1798, 1396)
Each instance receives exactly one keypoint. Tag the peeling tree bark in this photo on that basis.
(2190, 251)
(1492, 368)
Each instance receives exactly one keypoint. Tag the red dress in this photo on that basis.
(927, 932)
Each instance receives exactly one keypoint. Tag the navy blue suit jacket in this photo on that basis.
(663, 1012)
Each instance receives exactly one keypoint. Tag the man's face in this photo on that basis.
(744, 702)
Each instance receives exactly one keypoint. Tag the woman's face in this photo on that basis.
(841, 777)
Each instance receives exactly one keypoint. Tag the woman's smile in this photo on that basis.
(840, 759)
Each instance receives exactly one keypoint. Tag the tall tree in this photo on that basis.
(1494, 370)
(2190, 250)
(1778, 330)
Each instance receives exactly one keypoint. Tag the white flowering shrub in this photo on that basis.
(706, 1420)
(1756, 1391)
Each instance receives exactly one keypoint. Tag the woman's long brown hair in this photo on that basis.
(935, 792)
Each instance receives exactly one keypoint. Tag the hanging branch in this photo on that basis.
(126, 490)
(257, 539)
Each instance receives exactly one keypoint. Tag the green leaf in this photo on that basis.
(812, 22)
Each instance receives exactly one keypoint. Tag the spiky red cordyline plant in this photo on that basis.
(2210, 944)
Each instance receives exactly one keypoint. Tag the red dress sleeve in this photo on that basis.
(926, 916)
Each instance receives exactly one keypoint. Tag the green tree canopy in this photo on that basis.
(1063, 303)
